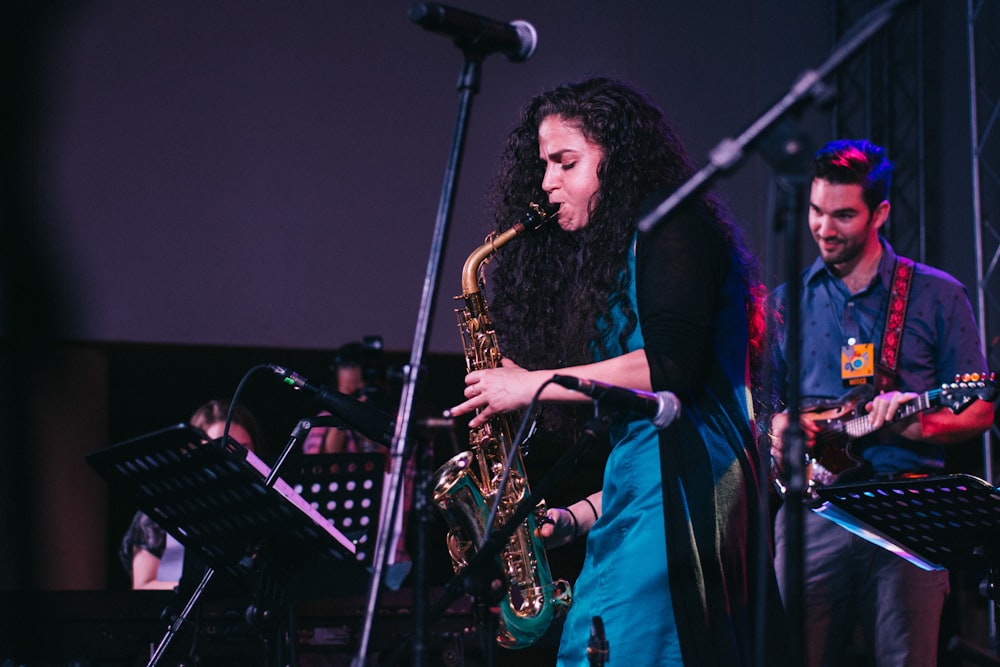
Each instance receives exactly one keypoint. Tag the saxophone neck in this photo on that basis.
(535, 217)
(470, 272)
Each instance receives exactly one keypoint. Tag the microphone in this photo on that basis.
(597, 647)
(516, 40)
(662, 408)
(356, 415)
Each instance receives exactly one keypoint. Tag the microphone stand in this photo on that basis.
(809, 87)
(299, 433)
(468, 86)
(422, 513)
(786, 149)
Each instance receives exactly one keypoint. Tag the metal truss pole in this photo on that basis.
(984, 112)
(881, 97)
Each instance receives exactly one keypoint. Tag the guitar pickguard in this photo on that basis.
(832, 455)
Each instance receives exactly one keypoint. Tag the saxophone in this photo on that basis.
(465, 487)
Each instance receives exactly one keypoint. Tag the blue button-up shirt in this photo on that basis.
(940, 339)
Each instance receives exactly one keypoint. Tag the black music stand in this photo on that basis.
(213, 498)
(346, 489)
(947, 521)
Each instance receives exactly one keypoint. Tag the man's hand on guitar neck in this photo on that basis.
(939, 426)
(882, 409)
(879, 411)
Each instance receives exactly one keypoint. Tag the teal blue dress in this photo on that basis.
(670, 564)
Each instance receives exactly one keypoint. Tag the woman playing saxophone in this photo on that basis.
(591, 298)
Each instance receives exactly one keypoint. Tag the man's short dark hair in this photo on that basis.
(855, 162)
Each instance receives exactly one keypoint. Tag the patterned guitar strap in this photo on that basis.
(886, 376)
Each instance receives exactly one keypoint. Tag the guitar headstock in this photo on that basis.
(967, 388)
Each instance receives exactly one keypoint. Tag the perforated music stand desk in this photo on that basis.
(346, 488)
(213, 499)
(948, 521)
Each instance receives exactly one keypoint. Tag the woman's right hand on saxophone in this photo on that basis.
(562, 525)
(496, 390)
(510, 387)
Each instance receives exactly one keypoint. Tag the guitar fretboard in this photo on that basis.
(862, 426)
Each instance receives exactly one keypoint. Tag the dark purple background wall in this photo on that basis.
(268, 173)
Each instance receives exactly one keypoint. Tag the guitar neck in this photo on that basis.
(861, 426)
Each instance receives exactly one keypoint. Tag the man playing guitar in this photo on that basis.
(901, 327)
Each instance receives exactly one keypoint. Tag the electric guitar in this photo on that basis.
(842, 421)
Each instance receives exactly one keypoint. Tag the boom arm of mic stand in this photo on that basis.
(299, 433)
(468, 85)
(808, 87)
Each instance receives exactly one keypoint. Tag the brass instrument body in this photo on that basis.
(466, 486)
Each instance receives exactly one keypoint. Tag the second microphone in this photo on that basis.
(662, 408)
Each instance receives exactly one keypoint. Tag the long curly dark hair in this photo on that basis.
(552, 289)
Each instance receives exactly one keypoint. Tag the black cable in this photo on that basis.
(235, 398)
(519, 437)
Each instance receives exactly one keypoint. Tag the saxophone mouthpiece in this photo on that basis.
(538, 214)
